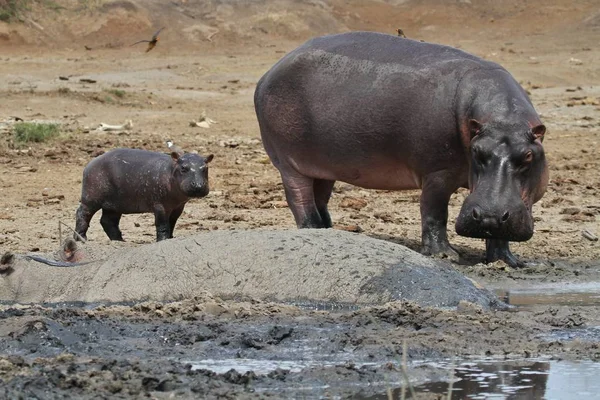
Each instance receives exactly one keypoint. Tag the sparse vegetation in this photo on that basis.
(64, 90)
(26, 132)
(117, 92)
(90, 5)
(11, 9)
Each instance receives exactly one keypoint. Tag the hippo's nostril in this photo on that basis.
(505, 217)
(476, 214)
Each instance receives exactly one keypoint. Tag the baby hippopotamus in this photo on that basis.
(132, 181)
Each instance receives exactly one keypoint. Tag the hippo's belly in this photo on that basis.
(382, 174)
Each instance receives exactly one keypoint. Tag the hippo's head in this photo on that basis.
(191, 173)
(508, 173)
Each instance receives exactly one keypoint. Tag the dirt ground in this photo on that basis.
(208, 60)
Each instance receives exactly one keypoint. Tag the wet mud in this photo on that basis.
(214, 348)
(208, 62)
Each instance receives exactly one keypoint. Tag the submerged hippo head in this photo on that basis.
(191, 173)
(508, 173)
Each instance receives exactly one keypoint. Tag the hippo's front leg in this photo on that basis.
(496, 249)
(437, 189)
(161, 221)
(175, 214)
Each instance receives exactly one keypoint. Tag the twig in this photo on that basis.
(60, 242)
(73, 230)
(589, 235)
(404, 369)
(210, 35)
(451, 383)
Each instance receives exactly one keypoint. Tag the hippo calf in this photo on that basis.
(131, 181)
(381, 113)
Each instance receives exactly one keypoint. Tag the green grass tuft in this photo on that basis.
(10, 10)
(116, 92)
(26, 132)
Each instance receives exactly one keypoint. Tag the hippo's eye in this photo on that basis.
(185, 168)
(528, 157)
(478, 156)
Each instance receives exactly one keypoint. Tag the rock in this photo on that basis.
(575, 61)
(353, 203)
(570, 210)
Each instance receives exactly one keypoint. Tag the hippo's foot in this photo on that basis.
(312, 220)
(441, 250)
(497, 249)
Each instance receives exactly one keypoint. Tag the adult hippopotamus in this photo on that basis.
(131, 181)
(381, 113)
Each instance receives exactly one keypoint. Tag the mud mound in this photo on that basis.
(306, 265)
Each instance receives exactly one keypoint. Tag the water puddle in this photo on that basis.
(514, 380)
(587, 294)
(487, 379)
(261, 367)
(327, 306)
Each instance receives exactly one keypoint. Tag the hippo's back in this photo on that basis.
(115, 178)
(359, 106)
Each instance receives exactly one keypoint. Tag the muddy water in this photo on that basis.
(514, 380)
(519, 379)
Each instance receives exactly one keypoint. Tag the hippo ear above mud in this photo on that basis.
(538, 132)
(474, 127)
(209, 158)
(175, 155)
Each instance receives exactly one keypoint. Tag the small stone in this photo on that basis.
(570, 210)
(353, 203)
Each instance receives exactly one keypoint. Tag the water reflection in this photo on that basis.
(587, 294)
(516, 380)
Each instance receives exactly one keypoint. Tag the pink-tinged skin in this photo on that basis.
(382, 113)
(132, 181)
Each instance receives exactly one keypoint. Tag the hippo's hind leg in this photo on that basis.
(497, 249)
(300, 196)
(83, 217)
(437, 189)
(175, 214)
(110, 223)
(322, 189)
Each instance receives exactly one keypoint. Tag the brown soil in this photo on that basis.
(209, 58)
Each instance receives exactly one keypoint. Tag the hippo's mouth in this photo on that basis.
(198, 192)
(518, 228)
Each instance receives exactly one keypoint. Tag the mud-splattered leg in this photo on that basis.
(83, 216)
(300, 196)
(110, 224)
(162, 223)
(322, 190)
(175, 214)
(496, 249)
(437, 189)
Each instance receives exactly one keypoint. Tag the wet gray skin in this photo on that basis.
(382, 113)
(131, 181)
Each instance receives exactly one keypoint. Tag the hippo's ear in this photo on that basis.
(175, 155)
(474, 127)
(538, 132)
(209, 158)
